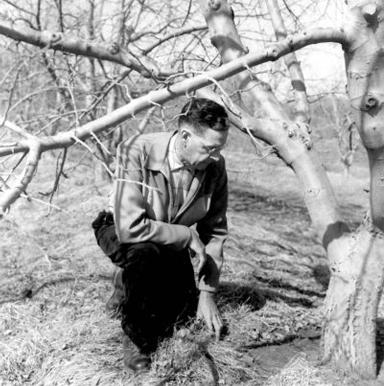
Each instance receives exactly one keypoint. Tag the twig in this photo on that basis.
(27, 97)
(93, 152)
(8, 72)
(138, 183)
(59, 173)
(9, 102)
(145, 120)
(100, 143)
(187, 14)
(74, 104)
(12, 126)
(173, 35)
(31, 198)
(14, 168)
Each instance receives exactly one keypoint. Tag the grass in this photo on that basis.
(55, 281)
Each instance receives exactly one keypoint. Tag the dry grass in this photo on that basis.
(298, 372)
(55, 282)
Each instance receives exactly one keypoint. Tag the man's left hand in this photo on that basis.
(208, 311)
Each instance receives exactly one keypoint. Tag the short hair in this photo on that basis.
(201, 111)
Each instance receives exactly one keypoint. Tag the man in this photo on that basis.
(170, 201)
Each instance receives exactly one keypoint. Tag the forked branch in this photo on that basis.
(35, 146)
(61, 42)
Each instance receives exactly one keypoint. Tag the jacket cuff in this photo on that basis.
(209, 276)
(184, 236)
(207, 288)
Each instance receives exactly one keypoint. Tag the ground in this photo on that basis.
(54, 282)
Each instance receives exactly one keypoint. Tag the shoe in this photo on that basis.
(133, 359)
(115, 302)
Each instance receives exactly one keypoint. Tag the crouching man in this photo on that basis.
(170, 201)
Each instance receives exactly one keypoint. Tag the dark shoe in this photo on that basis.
(133, 359)
(115, 302)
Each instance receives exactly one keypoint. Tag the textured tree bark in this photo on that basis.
(356, 284)
(365, 71)
(156, 97)
(352, 300)
(297, 79)
(355, 258)
(290, 139)
(61, 42)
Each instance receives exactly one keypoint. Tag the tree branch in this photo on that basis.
(12, 3)
(271, 53)
(61, 42)
(289, 138)
(154, 98)
(293, 65)
(184, 31)
(13, 193)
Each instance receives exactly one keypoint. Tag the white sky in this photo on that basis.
(322, 64)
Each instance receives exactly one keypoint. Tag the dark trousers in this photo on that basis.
(159, 286)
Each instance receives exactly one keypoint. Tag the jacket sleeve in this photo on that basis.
(213, 232)
(131, 220)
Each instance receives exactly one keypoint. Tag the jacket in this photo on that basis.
(142, 195)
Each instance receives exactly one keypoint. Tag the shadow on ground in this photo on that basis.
(234, 294)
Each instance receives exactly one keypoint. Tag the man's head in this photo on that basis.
(203, 132)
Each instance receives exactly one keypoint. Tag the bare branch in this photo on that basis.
(9, 102)
(145, 120)
(180, 32)
(59, 172)
(271, 53)
(13, 193)
(187, 14)
(293, 65)
(12, 3)
(154, 98)
(5, 180)
(15, 128)
(60, 42)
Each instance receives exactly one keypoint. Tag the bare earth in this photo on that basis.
(54, 282)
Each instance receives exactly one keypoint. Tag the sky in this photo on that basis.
(322, 64)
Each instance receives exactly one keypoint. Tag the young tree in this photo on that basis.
(355, 257)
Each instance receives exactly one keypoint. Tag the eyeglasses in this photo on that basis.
(209, 149)
(213, 149)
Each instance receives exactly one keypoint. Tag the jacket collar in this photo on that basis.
(157, 154)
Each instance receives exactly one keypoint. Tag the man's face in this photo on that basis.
(199, 150)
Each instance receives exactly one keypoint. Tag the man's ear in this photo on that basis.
(185, 133)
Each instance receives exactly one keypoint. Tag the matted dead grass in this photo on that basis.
(55, 281)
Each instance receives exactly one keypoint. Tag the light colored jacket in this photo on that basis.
(142, 195)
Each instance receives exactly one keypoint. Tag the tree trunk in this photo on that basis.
(349, 334)
(355, 258)
(357, 278)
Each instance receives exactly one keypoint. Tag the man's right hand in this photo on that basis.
(198, 248)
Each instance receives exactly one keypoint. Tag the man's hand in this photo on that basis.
(208, 311)
(196, 246)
